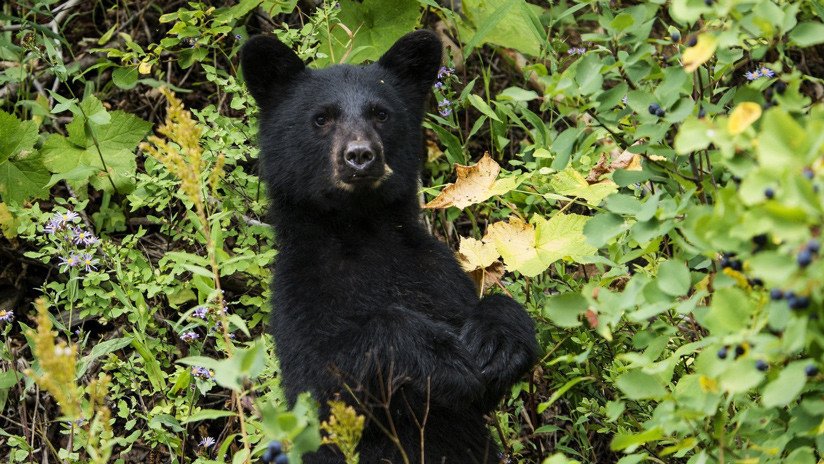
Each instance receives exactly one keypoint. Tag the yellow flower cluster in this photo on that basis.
(57, 363)
(343, 429)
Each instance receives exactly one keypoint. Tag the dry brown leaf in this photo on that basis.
(615, 160)
(474, 254)
(473, 185)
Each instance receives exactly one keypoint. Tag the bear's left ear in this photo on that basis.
(415, 59)
(267, 65)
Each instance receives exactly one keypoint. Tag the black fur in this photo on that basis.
(368, 306)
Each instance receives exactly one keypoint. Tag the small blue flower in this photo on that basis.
(200, 312)
(203, 373)
(445, 72)
(766, 72)
(439, 85)
(82, 237)
(444, 107)
(206, 442)
(576, 51)
(752, 75)
(238, 36)
(88, 261)
(189, 337)
(72, 260)
(6, 316)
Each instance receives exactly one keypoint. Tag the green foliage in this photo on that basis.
(655, 201)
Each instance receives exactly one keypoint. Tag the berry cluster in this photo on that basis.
(808, 252)
(274, 454)
(656, 110)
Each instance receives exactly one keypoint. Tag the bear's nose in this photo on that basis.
(359, 156)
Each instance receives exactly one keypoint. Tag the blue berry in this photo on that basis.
(282, 459)
(798, 302)
(780, 87)
(762, 365)
(660, 112)
(739, 350)
(769, 193)
(814, 246)
(776, 294)
(805, 257)
(701, 113)
(654, 108)
(273, 452)
(708, 2)
(722, 353)
(675, 36)
(811, 370)
(692, 41)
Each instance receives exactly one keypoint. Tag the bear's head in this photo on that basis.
(343, 136)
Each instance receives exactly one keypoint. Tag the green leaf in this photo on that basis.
(564, 309)
(633, 440)
(807, 34)
(15, 135)
(208, 414)
(562, 236)
(376, 28)
(571, 183)
(786, 387)
(125, 77)
(501, 22)
(23, 177)
(637, 385)
(729, 312)
(781, 142)
(100, 349)
(693, 135)
(674, 278)
(481, 106)
(116, 142)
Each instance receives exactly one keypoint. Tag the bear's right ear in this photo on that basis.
(267, 65)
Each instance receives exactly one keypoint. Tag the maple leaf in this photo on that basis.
(474, 185)
(530, 250)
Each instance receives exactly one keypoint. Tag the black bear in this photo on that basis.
(368, 306)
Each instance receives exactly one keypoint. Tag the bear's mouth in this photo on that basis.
(364, 180)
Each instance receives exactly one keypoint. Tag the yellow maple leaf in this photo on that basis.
(515, 241)
(473, 185)
(742, 117)
(530, 250)
(474, 254)
(698, 54)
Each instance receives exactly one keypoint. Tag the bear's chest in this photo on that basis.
(424, 278)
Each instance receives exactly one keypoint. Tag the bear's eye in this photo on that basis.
(381, 115)
(321, 120)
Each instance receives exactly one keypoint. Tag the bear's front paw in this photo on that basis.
(501, 339)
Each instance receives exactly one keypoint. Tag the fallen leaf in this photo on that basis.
(485, 278)
(530, 250)
(474, 254)
(698, 54)
(614, 160)
(592, 318)
(433, 151)
(742, 117)
(473, 185)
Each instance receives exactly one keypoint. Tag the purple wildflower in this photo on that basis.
(6, 316)
(82, 237)
(88, 261)
(576, 51)
(200, 312)
(203, 373)
(189, 337)
(445, 72)
(72, 261)
(752, 75)
(53, 226)
(65, 218)
(439, 85)
(443, 107)
(238, 36)
(766, 72)
(206, 442)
